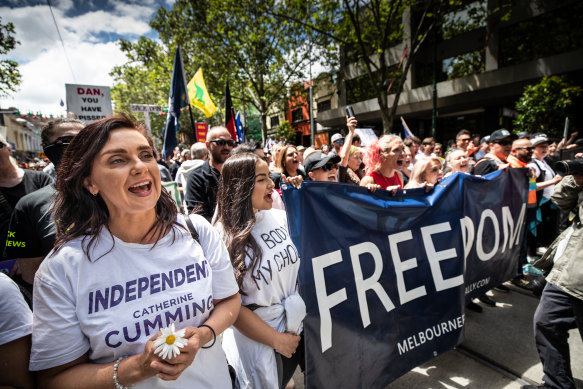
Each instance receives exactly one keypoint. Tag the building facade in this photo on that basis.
(480, 72)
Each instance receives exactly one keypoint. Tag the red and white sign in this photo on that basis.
(89, 102)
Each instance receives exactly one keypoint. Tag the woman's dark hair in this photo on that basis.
(235, 212)
(76, 211)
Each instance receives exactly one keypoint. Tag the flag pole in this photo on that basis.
(192, 122)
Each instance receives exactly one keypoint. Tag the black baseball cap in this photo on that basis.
(319, 159)
(500, 134)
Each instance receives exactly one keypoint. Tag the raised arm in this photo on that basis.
(345, 152)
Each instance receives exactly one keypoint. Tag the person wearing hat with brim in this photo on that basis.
(337, 143)
(497, 158)
(546, 179)
(322, 167)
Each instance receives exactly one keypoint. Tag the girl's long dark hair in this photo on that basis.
(235, 212)
(78, 213)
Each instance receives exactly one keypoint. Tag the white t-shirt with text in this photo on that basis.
(110, 305)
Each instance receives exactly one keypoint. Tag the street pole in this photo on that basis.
(434, 112)
(312, 129)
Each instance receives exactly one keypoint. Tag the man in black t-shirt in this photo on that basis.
(32, 231)
(14, 184)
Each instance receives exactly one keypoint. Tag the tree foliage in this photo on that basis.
(241, 41)
(145, 79)
(286, 132)
(369, 33)
(544, 106)
(10, 76)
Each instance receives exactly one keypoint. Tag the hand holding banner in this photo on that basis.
(385, 278)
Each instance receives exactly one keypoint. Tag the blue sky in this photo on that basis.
(90, 31)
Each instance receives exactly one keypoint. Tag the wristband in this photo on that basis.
(115, 381)
(214, 335)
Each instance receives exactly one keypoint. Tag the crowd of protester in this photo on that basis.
(121, 239)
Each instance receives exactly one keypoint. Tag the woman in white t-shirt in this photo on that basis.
(124, 266)
(266, 265)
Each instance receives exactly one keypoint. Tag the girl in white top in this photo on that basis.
(266, 265)
(123, 267)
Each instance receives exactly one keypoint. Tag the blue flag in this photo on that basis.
(178, 99)
(239, 126)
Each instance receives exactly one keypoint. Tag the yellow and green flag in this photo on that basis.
(198, 95)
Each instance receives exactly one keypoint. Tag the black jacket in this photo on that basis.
(201, 190)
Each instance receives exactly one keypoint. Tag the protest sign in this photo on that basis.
(89, 102)
(201, 130)
(385, 277)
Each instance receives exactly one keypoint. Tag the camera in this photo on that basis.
(572, 166)
(350, 111)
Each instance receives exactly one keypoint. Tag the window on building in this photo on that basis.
(551, 33)
(274, 120)
(324, 105)
(297, 115)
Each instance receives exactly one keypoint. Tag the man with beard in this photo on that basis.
(203, 183)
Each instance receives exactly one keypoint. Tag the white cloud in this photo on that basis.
(44, 78)
(87, 38)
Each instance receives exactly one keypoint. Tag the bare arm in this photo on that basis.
(223, 316)
(253, 327)
(366, 180)
(345, 152)
(545, 184)
(14, 364)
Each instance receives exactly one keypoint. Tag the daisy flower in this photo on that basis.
(168, 345)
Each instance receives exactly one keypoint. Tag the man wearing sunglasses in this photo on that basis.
(497, 159)
(337, 143)
(203, 183)
(32, 231)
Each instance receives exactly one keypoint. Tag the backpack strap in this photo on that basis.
(191, 228)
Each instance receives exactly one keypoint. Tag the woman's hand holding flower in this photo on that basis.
(187, 343)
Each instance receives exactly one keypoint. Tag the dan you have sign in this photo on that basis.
(385, 278)
(89, 102)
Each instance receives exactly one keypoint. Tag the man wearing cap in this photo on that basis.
(322, 167)
(497, 158)
(337, 143)
(546, 179)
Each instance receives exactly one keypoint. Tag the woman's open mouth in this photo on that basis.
(141, 188)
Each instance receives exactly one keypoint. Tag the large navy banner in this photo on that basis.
(385, 278)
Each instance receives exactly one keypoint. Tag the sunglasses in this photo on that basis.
(464, 139)
(525, 148)
(339, 141)
(223, 142)
(329, 166)
(62, 140)
(504, 142)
